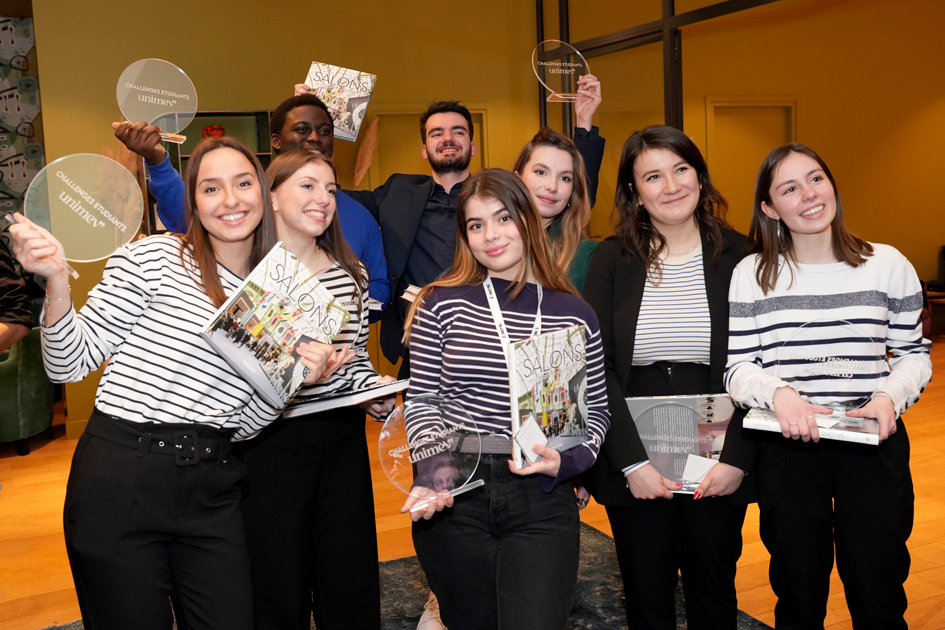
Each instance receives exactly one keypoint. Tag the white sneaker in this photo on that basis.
(430, 619)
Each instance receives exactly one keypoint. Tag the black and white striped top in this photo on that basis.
(456, 352)
(674, 315)
(146, 316)
(825, 331)
(359, 372)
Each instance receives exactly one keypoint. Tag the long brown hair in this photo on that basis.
(331, 240)
(634, 228)
(763, 238)
(198, 240)
(507, 189)
(576, 215)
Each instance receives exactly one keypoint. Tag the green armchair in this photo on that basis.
(26, 394)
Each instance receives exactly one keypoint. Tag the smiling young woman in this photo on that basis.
(153, 500)
(660, 290)
(854, 302)
(505, 555)
(308, 554)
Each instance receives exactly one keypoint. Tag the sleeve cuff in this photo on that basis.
(629, 469)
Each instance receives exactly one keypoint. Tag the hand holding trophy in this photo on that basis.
(429, 448)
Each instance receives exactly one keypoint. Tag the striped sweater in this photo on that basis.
(456, 352)
(674, 315)
(359, 372)
(146, 316)
(826, 331)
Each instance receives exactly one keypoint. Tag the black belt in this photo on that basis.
(184, 442)
(489, 444)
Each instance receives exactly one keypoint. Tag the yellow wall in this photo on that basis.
(245, 54)
(868, 79)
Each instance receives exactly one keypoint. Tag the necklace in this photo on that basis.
(691, 249)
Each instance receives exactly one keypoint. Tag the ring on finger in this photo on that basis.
(810, 416)
(793, 424)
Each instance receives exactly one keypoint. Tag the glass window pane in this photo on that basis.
(592, 18)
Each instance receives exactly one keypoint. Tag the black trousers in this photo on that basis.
(852, 497)
(140, 523)
(658, 538)
(505, 555)
(309, 512)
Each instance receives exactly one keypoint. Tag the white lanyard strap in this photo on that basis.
(500, 320)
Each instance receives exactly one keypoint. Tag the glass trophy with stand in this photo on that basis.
(557, 65)
(430, 445)
(837, 372)
(159, 93)
(90, 203)
(683, 435)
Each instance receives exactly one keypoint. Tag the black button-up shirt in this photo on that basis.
(435, 243)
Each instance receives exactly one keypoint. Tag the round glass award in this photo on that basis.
(159, 93)
(430, 445)
(558, 65)
(671, 433)
(835, 371)
(90, 203)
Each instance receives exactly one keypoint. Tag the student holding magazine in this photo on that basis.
(153, 500)
(660, 290)
(814, 290)
(505, 555)
(310, 504)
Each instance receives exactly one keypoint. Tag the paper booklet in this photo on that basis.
(305, 405)
(345, 92)
(548, 388)
(257, 330)
(683, 435)
(835, 426)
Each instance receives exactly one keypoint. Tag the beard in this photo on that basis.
(454, 163)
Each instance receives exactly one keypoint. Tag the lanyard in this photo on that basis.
(500, 320)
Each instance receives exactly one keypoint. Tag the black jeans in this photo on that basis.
(139, 523)
(505, 555)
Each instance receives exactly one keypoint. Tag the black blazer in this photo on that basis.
(397, 206)
(614, 287)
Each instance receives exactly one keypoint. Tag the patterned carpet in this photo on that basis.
(598, 600)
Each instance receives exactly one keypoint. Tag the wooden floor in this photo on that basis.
(36, 586)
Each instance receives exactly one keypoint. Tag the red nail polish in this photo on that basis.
(696, 496)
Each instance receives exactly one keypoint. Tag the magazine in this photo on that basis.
(835, 426)
(258, 329)
(548, 388)
(678, 431)
(345, 92)
(304, 405)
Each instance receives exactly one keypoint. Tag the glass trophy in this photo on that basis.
(558, 65)
(676, 429)
(837, 371)
(90, 203)
(430, 445)
(159, 93)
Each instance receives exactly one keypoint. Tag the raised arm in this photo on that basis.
(587, 138)
(166, 183)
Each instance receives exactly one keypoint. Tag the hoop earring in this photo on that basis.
(641, 207)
